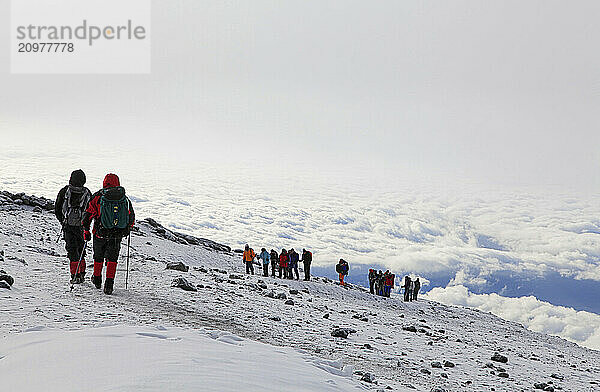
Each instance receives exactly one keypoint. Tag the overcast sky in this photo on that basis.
(505, 91)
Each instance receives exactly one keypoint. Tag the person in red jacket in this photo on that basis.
(113, 216)
(283, 264)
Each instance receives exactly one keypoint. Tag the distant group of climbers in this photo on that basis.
(286, 262)
(113, 216)
(411, 288)
(381, 283)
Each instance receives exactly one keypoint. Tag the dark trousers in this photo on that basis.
(407, 295)
(273, 268)
(371, 288)
(294, 268)
(415, 293)
(106, 249)
(74, 242)
(249, 267)
(266, 270)
(282, 270)
(306, 271)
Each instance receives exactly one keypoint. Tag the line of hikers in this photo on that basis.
(286, 262)
(113, 217)
(381, 283)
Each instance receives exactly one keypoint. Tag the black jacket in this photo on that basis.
(60, 200)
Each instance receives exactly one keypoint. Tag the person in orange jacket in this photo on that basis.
(248, 258)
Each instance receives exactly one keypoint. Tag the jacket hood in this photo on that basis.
(111, 181)
(77, 178)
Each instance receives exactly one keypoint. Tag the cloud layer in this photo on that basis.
(410, 226)
(576, 326)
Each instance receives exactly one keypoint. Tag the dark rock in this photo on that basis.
(4, 285)
(448, 364)
(499, 358)
(37, 209)
(326, 316)
(236, 276)
(182, 283)
(368, 346)
(280, 296)
(289, 302)
(368, 377)
(410, 328)
(177, 266)
(437, 389)
(557, 376)
(7, 278)
(437, 365)
(425, 371)
(262, 285)
(270, 294)
(540, 385)
(503, 374)
(444, 375)
(342, 332)
(293, 291)
(276, 318)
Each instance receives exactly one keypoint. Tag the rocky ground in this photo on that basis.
(183, 281)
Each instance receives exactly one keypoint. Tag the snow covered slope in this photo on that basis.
(423, 346)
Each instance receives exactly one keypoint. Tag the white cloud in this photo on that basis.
(577, 326)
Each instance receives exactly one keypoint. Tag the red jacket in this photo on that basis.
(93, 210)
(283, 260)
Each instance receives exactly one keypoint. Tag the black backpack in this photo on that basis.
(75, 204)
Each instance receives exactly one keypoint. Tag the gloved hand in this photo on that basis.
(87, 235)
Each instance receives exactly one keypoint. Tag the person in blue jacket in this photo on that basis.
(265, 257)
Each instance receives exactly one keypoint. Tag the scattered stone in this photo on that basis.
(276, 318)
(367, 346)
(425, 371)
(289, 302)
(368, 377)
(410, 328)
(448, 364)
(177, 266)
(182, 283)
(437, 365)
(262, 285)
(280, 296)
(342, 332)
(436, 389)
(236, 276)
(499, 358)
(503, 374)
(270, 294)
(444, 375)
(557, 377)
(293, 291)
(4, 285)
(7, 278)
(326, 316)
(37, 209)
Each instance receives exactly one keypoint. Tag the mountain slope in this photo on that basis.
(384, 343)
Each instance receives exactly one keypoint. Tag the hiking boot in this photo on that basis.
(73, 279)
(108, 286)
(97, 281)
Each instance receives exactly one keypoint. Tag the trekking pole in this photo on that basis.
(60, 233)
(78, 264)
(128, 246)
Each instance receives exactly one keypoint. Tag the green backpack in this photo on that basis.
(114, 208)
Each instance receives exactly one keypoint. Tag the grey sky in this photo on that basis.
(506, 91)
